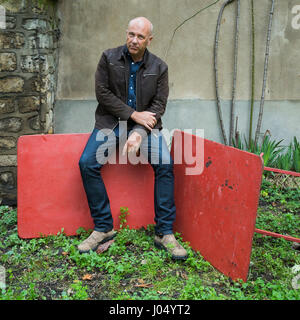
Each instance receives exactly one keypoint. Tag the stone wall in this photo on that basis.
(28, 60)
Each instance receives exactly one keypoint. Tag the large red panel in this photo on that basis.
(216, 210)
(51, 194)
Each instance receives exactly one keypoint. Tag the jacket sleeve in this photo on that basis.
(159, 102)
(105, 96)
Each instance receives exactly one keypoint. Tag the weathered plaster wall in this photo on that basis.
(90, 26)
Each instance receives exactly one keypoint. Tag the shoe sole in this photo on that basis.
(160, 246)
(101, 242)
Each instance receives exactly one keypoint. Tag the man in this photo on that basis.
(132, 86)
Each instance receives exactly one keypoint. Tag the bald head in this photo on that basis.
(139, 36)
(143, 23)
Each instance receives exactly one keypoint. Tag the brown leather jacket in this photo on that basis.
(111, 84)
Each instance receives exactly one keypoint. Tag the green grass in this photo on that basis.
(132, 268)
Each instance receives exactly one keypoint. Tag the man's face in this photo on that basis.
(138, 38)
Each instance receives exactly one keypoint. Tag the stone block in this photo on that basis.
(7, 180)
(49, 120)
(8, 61)
(7, 143)
(8, 160)
(7, 105)
(11, 40)
(15, 6)
(11, 22)
(12, 124)
(33, 24)
(43, 41)
(30, 63)
(35, 123)
(28, 104)
(11, 84)
(43, 83)
(38, 63)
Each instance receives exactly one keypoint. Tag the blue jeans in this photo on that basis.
(98, 149)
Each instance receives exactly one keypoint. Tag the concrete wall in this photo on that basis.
(91, 26)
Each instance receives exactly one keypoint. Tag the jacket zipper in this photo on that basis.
(137, 87)
(126, 87)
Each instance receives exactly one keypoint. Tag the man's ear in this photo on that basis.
(149, 40)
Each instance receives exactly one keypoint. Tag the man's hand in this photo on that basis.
(133, 143)
(145, 118)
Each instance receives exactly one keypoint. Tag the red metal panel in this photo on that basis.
(216, 210)
(51, 194)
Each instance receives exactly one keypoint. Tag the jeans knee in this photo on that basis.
(84, 163)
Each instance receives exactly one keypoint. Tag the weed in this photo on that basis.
(124, 212)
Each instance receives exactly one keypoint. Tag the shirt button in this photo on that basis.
(131, 76)
(129, 100)
(131, 88)
(132, 62)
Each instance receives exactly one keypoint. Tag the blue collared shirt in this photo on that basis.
(133, 68)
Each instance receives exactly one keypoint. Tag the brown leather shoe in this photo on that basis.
(169, 243)
(95, 238)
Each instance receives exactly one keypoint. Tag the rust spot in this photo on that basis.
(208, 163)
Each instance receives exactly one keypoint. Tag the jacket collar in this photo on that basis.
(124, 51)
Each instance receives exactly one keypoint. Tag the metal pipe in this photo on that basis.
(276, 235)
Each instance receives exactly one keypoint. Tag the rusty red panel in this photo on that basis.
(216, 210)
(51, 194)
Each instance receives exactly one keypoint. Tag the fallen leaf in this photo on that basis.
(184, 275)
(87, 277)
(65, 253)
(142, 284)
(103, 247)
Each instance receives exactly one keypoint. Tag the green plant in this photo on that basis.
(274, 153)
(124, 212)
(296, 155)
(284, 160)
(270, 149)
(77, 291)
